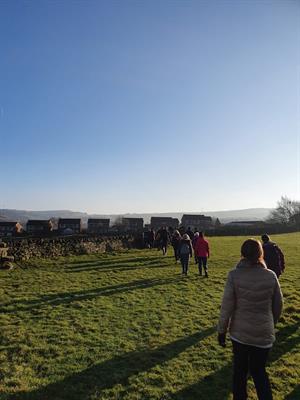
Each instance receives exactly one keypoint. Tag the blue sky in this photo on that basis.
(149, 106)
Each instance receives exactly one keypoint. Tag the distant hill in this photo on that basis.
(224, 216)
(253, 214)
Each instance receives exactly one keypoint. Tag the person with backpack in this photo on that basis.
(185, 252)
(251, 306)
(273, 255)
(202, 253)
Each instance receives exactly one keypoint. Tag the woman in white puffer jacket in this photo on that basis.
(251, 306)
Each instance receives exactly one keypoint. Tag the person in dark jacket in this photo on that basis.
(251, 306)
(175, 243)
(273, 255)
(181, 230)
(185, 252)
(190, 233)
(151, 238)
(163, 239)
(146, 239)
(194, 240)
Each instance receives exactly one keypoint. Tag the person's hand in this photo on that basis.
(222, 339)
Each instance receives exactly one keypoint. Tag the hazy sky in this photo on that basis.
(149, 106)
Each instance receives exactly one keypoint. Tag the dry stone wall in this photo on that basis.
(25, 248)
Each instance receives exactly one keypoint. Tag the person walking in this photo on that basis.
(146, 239)
(194, 240)
(164, 239)
(190, 233)
(151, 238)
(273, 255)
(175, 244)
(202, 253)
(185, 252)
(251, 306)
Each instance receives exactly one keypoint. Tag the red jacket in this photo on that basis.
(201, 247)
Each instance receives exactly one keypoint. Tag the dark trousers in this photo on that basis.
(253, 359)
(202, 261)
(164, 246)
(176, 253)
(184, 259)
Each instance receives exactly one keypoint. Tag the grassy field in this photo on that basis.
(129, 326)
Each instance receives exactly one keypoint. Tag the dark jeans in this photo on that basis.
(164, 246)
(202, 261)
(176, 253)
(253, 359)
(184, 259)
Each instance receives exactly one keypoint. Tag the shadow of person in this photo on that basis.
(117, 267)
(105, 375)
(102, 262)
(217, 385)
(69, 297)
(286, 340)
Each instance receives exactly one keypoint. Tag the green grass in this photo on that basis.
(129, 326)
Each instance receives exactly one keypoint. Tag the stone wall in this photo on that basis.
(25, 248)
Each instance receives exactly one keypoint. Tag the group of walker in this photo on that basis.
(251, 306)
(185, 244)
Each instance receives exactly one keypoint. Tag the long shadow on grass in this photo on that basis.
(217, 385)
(118, 267)
(111, 261)
(105, 375)
(285, 340)
(69, 297)
(155, 262)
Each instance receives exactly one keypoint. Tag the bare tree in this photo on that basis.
(286, 212)
(118, 224)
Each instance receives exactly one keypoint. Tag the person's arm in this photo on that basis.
(277, 301)
(191, 249)
(196, 248)
(281, 258)
(227, 306)
(207, 249)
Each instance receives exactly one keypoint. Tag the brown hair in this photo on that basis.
(252, 250)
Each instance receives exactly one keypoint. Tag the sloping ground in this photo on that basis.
(129, 326)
